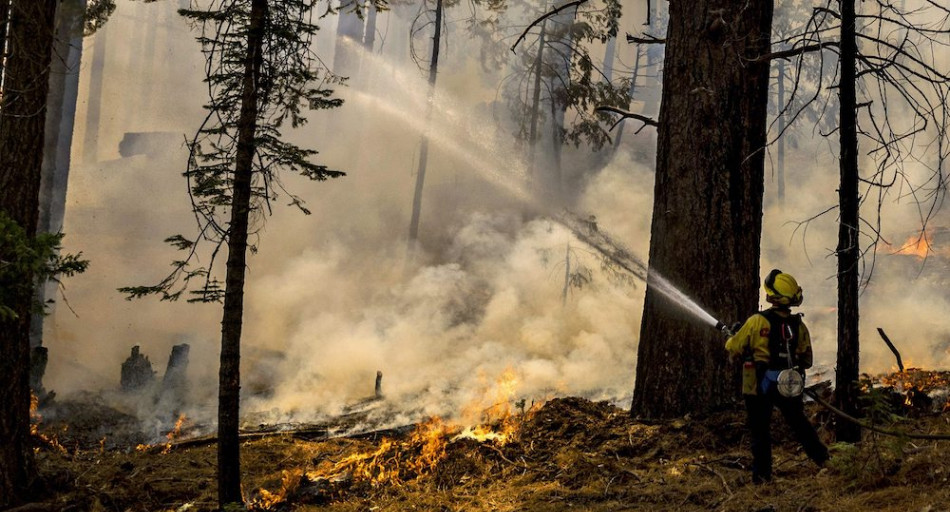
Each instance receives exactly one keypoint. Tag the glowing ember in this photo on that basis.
(915, 380)
(35, 417)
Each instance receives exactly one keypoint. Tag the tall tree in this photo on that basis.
(424, 144)
(891, 93)
(261, 73)
(707, 214)
(30, 34)
(849, 230)
(60, 117)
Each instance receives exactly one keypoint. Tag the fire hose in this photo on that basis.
(889, 432)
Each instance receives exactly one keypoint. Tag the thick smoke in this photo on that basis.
(331, 297)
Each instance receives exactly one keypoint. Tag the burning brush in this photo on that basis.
(44, 440)
(396, 461)
(920, 389)
(172, 435)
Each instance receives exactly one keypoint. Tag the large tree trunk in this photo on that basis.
(846, 391)
(707, 214)
(229, 379)
(424, 146)
(60, 119)
(22, 122)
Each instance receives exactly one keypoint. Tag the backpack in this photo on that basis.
(783, 339)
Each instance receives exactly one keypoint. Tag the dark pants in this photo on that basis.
(759, 408)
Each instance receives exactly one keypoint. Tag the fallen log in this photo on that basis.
(309, 433)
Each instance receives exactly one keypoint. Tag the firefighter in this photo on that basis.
(776, 350)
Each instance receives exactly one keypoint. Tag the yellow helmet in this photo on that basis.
(782, 289)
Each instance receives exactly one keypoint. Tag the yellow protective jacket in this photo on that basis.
(753, 338)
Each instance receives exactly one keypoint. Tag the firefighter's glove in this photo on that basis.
(736, 326)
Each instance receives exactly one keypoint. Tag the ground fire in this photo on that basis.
(564, 452)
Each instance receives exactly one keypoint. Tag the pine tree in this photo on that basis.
(22, 121)
(261, 73)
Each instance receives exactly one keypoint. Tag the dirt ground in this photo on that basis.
(568, 454)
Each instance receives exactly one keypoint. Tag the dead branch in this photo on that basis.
(502, 455)
(647, 121)
(647, 39)
(552, 12)
(795, 52)
(713, 471)
(900, 363)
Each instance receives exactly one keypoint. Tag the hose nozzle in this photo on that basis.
(721, 326)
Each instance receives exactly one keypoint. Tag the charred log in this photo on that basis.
(175, 381)
(137, 373)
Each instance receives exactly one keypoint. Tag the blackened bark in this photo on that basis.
(846, 391)
(229, 378)
(707, 214)
(424, 147)
(22, 118)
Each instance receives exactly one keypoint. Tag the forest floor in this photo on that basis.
(566, 454)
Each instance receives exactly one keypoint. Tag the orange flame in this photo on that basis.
(173, 434)
(397, 461)
(916, 380)
(495, 423)
(51, 441)
(919, 246)
(35, 418)
(289, 482)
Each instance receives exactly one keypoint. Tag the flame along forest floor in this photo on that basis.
(568, 454)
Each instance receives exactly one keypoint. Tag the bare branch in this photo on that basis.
(646, 39)
(647, 121)
(552, 12)
(795, 52)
